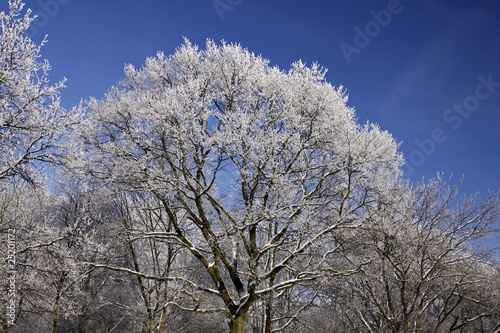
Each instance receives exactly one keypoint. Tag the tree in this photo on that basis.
(54, 231)
(429, 270)
(31, 118)
(140, 215)
(213, 183)
(44, 274)
(255, 168)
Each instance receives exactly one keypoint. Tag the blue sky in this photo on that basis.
(426, 71)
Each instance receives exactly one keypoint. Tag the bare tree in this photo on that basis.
(255, 167)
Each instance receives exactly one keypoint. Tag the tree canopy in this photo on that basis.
(31, 119)
(255, 167)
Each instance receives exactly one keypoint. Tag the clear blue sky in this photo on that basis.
(425, 71)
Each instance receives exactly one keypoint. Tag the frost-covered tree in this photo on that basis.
(45, 275)
(54, 232)
(429, 269)
(30, 116)
(139, 214)
(255, 168)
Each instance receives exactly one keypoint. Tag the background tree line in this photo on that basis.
(209, 191)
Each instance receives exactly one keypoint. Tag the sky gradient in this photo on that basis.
(427, 72)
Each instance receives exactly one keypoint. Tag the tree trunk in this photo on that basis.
(268, 315)
(237, 324)
(162, 319)
(55, 311)
(54, 318)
